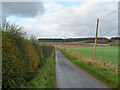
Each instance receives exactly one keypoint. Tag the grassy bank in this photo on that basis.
(107, 77)
(45, 76)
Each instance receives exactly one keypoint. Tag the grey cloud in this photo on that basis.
(22, 9)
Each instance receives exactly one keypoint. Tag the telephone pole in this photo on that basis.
(65, 43)
(60, 43)
(96, 39)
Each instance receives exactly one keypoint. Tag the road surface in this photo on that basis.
(68, 75)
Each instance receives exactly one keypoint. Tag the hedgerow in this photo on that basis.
(21, 57)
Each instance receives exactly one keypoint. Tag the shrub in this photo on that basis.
(12, 64)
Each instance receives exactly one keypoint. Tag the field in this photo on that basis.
(104, 53)
(72, 44)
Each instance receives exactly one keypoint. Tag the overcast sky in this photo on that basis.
(59, 19)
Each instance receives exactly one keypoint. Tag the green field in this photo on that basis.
(103, 53)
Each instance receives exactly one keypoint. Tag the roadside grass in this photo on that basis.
(107, 77)
(45, 76)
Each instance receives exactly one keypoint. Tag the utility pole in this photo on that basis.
(65, 43)
(4, 22)
(96, 39)
(59, 43)
(52, 44)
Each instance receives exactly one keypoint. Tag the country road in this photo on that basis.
(68, 75)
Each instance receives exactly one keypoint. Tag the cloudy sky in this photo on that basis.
(59, 19)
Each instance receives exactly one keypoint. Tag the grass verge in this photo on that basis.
(45, 76)
(108, 78)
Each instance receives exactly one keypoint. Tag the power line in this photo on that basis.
(109, 14)
(100, 19)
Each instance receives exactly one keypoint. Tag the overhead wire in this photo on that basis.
(109, 14)
(102, 18)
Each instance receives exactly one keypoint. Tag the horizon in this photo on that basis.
(80, 37)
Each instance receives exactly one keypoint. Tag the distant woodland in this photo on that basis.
(83, 40)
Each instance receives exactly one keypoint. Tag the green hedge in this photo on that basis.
(21, 58)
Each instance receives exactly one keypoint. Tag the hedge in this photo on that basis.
(21, 58)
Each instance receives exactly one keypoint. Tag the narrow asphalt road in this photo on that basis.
(68, 75)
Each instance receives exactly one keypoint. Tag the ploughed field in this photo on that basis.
(106, 54)
(72, 44)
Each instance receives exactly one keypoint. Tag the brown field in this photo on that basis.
(71, 44)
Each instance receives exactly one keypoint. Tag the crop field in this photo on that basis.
(104, 53)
